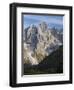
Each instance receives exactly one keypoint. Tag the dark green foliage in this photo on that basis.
(51, 64)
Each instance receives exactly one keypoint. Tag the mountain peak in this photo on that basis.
(43, 26)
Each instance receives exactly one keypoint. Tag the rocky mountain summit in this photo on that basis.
(39, 42)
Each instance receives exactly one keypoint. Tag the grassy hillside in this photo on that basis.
(51, 64)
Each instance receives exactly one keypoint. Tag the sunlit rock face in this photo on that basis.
(39, 42)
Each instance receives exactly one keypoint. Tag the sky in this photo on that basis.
(51, 20)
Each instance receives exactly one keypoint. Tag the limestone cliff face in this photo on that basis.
(39, 42)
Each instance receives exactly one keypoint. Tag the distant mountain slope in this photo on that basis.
(51, 64)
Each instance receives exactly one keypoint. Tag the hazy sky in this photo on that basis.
(51, 20)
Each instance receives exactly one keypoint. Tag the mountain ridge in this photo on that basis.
(39, 42)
